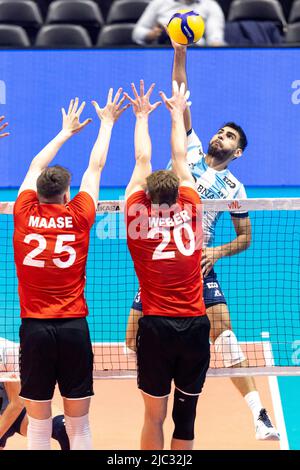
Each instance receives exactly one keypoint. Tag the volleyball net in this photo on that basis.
(261, 286)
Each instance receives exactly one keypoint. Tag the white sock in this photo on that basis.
(39, 434)
(254, 403)
(79, 433)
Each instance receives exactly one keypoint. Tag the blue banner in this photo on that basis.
(257, 88)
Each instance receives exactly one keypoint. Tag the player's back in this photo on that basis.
(166, 250)
(50, 247)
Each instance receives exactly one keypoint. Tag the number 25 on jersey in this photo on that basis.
(60, 248)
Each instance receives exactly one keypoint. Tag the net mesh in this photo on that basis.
(261, 286)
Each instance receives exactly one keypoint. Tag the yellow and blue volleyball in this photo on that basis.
(186, 27)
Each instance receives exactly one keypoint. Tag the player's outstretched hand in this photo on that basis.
(71, 120)
(141, 102)
(2, 127)
(179, 99)
(113, 108)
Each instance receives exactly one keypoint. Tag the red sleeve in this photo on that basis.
(24, 202)
(136, 204)
(188, 195)
(83, 209)
(139, 197)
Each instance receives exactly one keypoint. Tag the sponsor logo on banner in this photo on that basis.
(108, 206)
(234, 205)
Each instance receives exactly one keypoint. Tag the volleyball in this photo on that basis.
(186, 27)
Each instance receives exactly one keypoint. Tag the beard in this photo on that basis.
(219, 153)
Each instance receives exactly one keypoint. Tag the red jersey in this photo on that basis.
(166, 252)
(50, 247)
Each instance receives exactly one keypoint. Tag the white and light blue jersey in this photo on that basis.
(211, 184)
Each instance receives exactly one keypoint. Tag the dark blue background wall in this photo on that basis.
(252, 87)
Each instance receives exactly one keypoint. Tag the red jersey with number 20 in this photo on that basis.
(166, 252)
(50, 247)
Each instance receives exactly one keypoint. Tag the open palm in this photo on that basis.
(179, 99)
(141, 104)
(113, 108)
(71, 120)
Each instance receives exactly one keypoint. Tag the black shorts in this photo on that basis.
(15, 427)
(212, 293)
(56, 350)
(172, 348)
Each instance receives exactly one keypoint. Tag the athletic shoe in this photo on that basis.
(264, 429)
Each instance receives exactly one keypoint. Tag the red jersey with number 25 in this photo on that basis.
(50, 247)
(166, 252)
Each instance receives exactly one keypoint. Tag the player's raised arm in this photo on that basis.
(71, 125)
(108, 116)
(142, 108)
(180, 76)
(177, 105)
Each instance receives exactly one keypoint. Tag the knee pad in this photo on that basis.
(184, 414)
(59, 432)
(79, 433)
(39, 433)
(228, 347)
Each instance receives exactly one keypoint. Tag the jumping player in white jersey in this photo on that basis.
(215, 181)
